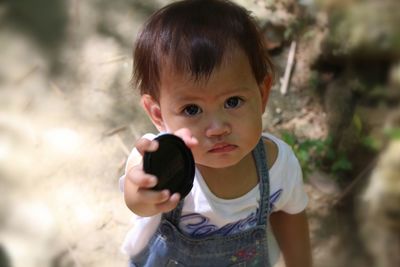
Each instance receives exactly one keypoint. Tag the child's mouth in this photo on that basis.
(222, 148)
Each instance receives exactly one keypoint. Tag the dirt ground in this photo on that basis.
(68, 119)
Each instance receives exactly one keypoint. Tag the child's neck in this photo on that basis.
(231, 182)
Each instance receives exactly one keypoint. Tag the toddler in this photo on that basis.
(204, 75)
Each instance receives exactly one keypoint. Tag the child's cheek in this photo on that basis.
(196, 153)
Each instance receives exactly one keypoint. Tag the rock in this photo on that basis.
(379, 209)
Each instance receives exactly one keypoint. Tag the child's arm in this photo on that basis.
(139, 198)
(292, 234)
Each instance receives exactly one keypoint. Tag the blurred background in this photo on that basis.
(69, 117)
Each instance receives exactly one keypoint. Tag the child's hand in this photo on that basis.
(187, 137)
(138, 196)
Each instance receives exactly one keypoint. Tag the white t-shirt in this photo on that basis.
(204, 213)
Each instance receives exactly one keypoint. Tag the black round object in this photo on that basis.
(172, 163)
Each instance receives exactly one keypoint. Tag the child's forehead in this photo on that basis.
(173, 78)
(169, 66)
(233, 71)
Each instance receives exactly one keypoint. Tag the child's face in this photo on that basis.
(223, 113)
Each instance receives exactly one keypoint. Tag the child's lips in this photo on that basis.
(222, 148)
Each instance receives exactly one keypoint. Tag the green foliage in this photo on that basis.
(375, 144)
(317, 154)
(393, 133)
(371, 143)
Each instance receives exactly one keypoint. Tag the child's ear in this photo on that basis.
(152, 107)
(265, 88)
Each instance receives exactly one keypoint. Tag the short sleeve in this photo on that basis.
(286, 180)
(296, 199)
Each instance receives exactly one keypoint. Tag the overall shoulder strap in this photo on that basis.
(260, 157)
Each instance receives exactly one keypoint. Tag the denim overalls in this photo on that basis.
(170, 247)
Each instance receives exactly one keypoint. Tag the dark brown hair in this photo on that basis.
(193, 36)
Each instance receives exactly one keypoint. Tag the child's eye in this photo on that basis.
(192, 110)
(233, 102)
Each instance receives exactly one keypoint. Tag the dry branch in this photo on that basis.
(289, 66)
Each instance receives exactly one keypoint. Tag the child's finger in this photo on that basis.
(144, 144)
(170, 204)
(187, 137)
(141, 179)
(152, 196)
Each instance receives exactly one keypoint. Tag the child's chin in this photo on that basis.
(219, 164)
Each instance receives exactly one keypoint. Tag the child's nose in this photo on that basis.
(218, 126)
